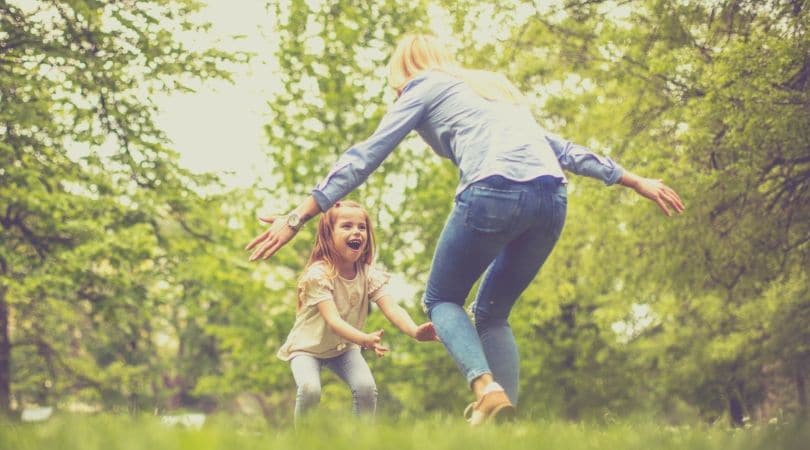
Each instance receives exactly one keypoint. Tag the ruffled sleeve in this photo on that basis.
(377, 283)
(315, 286)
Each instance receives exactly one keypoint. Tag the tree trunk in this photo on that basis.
(570, 394)
(5, 358)
(801, 391)
(735, 409)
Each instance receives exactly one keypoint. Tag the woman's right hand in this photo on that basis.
(269, 242)
(279, 233)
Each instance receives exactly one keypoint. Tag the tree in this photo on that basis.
(88, 190)
(713, 98)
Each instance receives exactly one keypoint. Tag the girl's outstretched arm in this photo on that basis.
(399, 317)
(280, 232)
(655, 190)
(343, 329)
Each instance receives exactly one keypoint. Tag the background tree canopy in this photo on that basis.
(123, 283)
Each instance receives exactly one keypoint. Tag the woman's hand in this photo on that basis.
(425, 332)
(269, 242)
(279, 233)
(655, 190)
(661, 194)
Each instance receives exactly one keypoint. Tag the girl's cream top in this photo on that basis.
(310, 335)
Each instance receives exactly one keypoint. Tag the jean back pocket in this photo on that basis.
(491, 210)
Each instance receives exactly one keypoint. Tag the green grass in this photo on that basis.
(109, 432)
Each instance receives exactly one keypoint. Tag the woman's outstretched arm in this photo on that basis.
(580, 160)
(351, 170)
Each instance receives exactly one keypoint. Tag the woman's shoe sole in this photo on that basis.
(502, 414)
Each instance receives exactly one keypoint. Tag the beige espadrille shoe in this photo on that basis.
(493, 405)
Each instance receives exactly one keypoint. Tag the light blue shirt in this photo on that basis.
(481, 137)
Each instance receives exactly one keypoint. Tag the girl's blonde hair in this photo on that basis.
(325, 251)
(416, 53)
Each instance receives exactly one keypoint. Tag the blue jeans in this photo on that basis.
(507, 228)
(349, 366)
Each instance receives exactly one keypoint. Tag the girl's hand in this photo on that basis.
(269, 242)
(380, 350)
(425, 332)
(370, 340)
(660, 193)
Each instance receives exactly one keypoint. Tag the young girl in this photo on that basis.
(334, 294)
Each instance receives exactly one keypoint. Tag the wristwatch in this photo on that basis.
(293, 220)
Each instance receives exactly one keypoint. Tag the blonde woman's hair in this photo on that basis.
(325, 251)
(416, 53)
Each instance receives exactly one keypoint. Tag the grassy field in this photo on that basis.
(108, 432)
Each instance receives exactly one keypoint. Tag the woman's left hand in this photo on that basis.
(664, 196)
(269, 242)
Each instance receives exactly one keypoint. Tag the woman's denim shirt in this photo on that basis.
(481, 137)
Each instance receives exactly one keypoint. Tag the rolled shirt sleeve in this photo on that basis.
(357, 163)
(581, 161)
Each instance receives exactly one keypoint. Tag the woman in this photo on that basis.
(509, 206)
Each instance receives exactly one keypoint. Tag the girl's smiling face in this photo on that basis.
(350, 234)
(345, 238)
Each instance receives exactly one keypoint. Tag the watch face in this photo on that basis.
(293, 220)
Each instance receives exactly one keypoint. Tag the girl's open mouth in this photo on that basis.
(355, 244)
